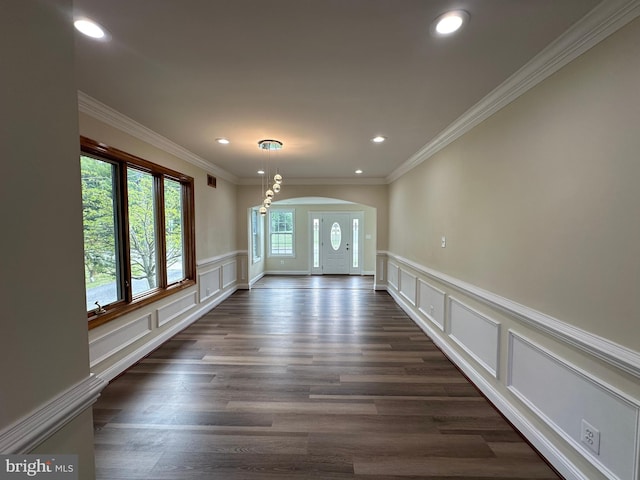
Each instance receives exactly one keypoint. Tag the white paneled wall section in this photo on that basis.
(114, 340)
(408, 286)
(116, 345)
(431, 303)
(229, 273)
(175, 308)
(475, 333)
(547, 396)
(547, 383)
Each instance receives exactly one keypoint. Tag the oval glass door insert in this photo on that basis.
(336, 236)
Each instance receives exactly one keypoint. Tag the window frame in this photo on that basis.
(123, 161)
(293, 233)
(256, 226)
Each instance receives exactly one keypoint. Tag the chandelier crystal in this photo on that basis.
(269, 145)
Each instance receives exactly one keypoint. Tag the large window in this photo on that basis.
(281, 239)
(138, 231)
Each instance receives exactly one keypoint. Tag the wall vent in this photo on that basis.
(211, 181)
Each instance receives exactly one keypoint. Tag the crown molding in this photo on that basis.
(605, 19)
(108, 115)
(320, 181)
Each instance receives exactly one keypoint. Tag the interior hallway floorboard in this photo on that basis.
(304, 378)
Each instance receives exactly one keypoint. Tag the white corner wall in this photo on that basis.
(534, 294)
(46, 391)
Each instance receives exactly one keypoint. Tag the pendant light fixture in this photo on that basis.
(269, 145)
(263, 207)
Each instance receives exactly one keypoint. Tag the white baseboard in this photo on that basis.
(549, 451)
(254, 280)
(287, 272)
(34, 428)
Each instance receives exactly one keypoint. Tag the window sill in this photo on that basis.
(95, 320)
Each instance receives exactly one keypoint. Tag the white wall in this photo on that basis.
(534, 295)
(301, 262)
(43, 320)
(371, 199)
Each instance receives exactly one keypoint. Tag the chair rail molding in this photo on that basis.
(610, 352)
(34, 428)
(206, 262)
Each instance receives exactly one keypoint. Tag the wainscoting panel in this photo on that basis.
(476, 334)
(172, 310)
(229, 274)
(408, 286)
(614, 354)
(544, 396)
(381, 267)
(563, 396)
(209, 284)
(431, 303)
(393, 274)
(119, 338)
(242, 274)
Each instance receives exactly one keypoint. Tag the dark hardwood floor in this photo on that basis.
(304, 378)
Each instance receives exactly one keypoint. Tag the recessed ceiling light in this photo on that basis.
(90, 28)
(450, 22)
(358, 171)
(260, 172)
(223, 141)
(378, 139)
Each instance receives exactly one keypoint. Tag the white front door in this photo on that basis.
(335, 234)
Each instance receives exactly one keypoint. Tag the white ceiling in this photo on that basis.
(322, 76)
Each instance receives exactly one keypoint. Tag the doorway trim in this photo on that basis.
(315, 222)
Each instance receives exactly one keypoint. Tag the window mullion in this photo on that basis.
(189, 229)
(123, 234)
(161, 239)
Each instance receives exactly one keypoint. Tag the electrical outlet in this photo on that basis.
(443, 242)
(590, 436)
